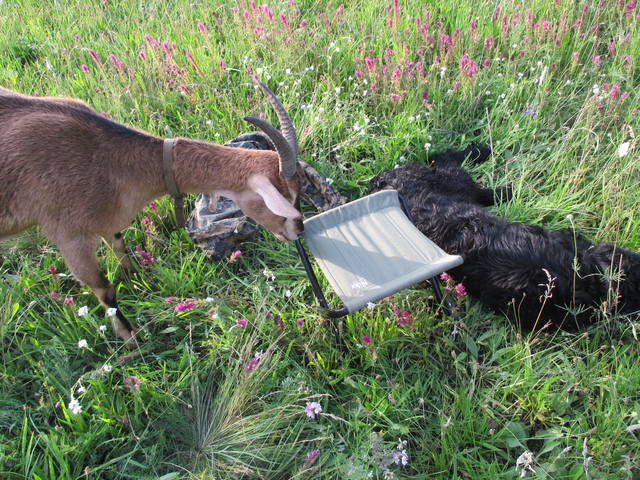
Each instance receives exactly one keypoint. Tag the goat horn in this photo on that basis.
(288, 158)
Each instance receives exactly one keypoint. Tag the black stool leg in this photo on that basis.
(447, 305)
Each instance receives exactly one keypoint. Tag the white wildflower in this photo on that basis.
(112, 312)
(287, 293)
(371, 305)
(209, 299)
(542, 75)
(74, 406)
(524, 464)
(595, 89)
(623, 149)
(106, 368)
(83, 311)
(82, 343)
(102, 328)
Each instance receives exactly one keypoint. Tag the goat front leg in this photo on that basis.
(118, 246)
(80, 256)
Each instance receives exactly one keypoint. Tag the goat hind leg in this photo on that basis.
(80, 256)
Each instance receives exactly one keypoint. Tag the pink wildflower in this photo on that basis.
(468, 66)
(628, 8)
(488, 42)
(241, 322)
(185, 306)
(395, 97)
(144, 256)
(115, 62)
(252, 364)
(397, 73)
(460, 290)
(234, 256)
(404, 318)
(303, 23)
(202, 28)
(95, 58)
(300, 322)
(369, 63)
(596, 59)
(444, 276)
(615, 91)
(366, 339)
(283, 20)
(54, 295)
(132, 382)
(84, 68)
(170, 299)
(53, 270)
(68, 301)
(153, 206)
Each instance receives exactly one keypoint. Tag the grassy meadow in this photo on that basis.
(238, 375)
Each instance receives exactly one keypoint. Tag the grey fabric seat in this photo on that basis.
(369, 249)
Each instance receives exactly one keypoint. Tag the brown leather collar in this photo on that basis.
(170, 181)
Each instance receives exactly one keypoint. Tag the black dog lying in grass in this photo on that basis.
(532, 274)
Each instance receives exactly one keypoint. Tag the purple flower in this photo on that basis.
(241, 322)
(253, 363)
(530, 111)
(311, 456)
(312, 409)
(300, 322)
(53, 270)
(366, 339)
(84, 68)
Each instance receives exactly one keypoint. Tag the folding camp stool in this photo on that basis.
(369, 249)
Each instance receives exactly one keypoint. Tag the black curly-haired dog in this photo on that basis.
(532, 274)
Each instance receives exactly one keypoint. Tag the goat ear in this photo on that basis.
(273, 199)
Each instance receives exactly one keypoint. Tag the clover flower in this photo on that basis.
(312, 409)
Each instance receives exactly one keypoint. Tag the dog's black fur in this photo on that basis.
(505, 263)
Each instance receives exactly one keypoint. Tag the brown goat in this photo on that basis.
(82, 177)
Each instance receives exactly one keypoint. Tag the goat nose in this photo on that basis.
(299, 226)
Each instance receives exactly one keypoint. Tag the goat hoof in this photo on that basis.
(129, 338)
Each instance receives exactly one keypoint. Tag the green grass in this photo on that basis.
(468, 405)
